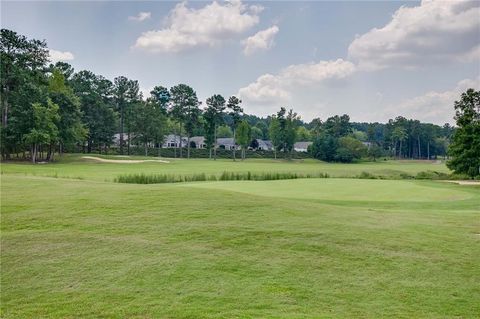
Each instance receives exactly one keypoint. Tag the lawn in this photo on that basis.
(305, 248)
(74, 166)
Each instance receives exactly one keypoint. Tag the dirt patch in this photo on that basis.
(104, 160)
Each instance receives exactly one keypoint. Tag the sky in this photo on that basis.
(373, 60)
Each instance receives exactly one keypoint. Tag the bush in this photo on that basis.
(204, 153)
(367, 175)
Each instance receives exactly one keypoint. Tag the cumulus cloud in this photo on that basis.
(262, 40)
(434, 107)
(56, 56)
(270, 88)
(434, 32)
(141, 16)
(187, 28)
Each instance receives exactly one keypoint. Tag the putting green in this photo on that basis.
(343, 189)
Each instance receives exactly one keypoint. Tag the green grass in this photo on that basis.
(73, 166)
(303, 248)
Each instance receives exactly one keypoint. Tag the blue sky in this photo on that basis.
(371, 60)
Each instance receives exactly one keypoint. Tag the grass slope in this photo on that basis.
(88, 248)
(73, 166)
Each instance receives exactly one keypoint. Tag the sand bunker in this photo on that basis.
(475, 183)
(104, 160)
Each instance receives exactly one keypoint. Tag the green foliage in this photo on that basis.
(374, 151)
(303, 134)
(71, 128)
(213, 116)
(275, 134)
(244, 136)
(338, 126)
(465, 147)
(96, 105)
(126, 95)
(256, 133)
(324, 148)
(350, 149)
(224, 131)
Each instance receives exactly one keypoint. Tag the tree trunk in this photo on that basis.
(34, 152)
(180, 136)
(275, 153)
(215, 143)
(234, 143)
(121, 130)
(428, 150)
(128, 142)
(50, 153)
(419, 149)
(146, 148)
(210, 152)
(188, 146)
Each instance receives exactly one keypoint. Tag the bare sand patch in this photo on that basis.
(104, 160)
(475, 183)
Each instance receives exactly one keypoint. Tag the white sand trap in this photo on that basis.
(476, 183)
(104, 160)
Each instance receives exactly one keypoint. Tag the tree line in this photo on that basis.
(49, 108)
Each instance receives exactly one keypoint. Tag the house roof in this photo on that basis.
(197, 139)
(174, 138)
(264, 143)
(302, 145)
(225, 141)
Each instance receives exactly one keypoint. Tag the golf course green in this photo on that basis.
(76, 244)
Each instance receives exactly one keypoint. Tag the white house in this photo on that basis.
(174, 141)
(301, 146)
(227, 143)
(197, 142)
(261, 145)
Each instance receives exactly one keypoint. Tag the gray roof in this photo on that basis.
(264, 143)
(173, 138)
(225, 141)
(302, 145)
(197, 139)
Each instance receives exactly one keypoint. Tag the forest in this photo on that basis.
(50, 109)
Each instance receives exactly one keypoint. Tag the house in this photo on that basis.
(174, 141)
(197, 142)
(226, 143)
(261, 145)
(301, 146)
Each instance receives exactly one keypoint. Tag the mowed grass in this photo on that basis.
(316, 248)
(74, 166)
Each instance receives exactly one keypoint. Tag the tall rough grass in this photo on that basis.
(225, 176)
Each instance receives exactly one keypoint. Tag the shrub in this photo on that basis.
(367, 175)
(432, 175)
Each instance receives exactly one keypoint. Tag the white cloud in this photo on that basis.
(270, 88)
(434, 32)
(56, 56)
(187, 28)
(262, 40)
(434, 107)
(141, 16)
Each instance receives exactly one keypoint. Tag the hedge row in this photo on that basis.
(204, 153)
